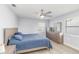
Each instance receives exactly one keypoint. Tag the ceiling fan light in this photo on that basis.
(42, 17)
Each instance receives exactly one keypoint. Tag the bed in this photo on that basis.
(30, 42)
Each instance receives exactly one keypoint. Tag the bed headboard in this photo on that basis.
(8, 32)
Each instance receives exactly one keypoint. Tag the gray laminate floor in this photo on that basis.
(57, 49)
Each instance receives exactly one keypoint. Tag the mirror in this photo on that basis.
(56, 28)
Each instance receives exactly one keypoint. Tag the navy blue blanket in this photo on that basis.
(30, 41)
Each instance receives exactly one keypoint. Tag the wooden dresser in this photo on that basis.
(10, 49)
(55, 36)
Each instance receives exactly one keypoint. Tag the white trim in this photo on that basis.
(73, 47)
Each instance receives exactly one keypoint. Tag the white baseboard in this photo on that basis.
(71, 46)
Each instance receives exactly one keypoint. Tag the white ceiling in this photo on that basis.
(31, 10)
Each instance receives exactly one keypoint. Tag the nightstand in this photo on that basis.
(10, 49)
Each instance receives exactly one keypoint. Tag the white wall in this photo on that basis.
(7, 19)
(30, 25)
(69, 38)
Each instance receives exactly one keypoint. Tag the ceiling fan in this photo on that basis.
(45, 14)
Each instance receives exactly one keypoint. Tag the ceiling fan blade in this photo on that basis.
(48, 15)
(49, 12)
